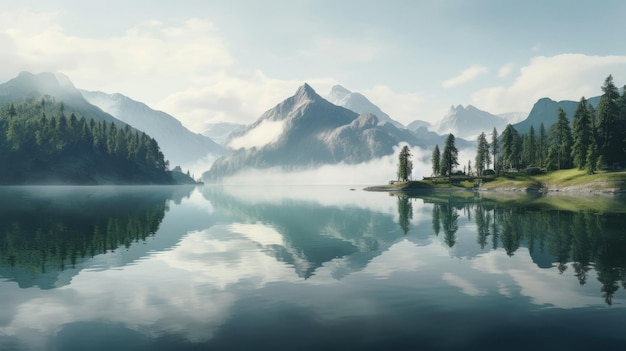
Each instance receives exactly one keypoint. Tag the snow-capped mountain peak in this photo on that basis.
(468, 122)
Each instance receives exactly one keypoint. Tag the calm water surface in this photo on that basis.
(308, 268)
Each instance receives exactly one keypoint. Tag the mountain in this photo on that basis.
(179, 145)
(220, 132)
(546, 110)
(513, 117)
(28, 85)
(417, 124)
(306, 130)
(468, 122)
(358, 103)
(429, 139)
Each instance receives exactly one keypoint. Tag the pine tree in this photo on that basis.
(405, 166)
(529, 148)
(511, 147)
(482, 154)
(449, 157)
(560, 139)
(435, 160)
(610, 146)
(582, 134)
(495, 149)
(591, 160)
(542, 145)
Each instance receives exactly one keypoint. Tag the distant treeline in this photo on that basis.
(40, 144)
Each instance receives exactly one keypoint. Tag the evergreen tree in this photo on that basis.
(610, 143)
(449, 157)
(495, 149)
(482, 154)
(435, 160)
(405, 166)
(591, 158)
(542, 145)
(529, 148)
(511, 147)
(560, 139)
(582, 134)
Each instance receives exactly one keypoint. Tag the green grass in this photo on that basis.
(520, 181)
(569, 178)
(561, 179)
(575, 177)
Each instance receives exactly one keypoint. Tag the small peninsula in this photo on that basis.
(565, 181)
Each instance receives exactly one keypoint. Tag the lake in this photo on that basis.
(309, 268)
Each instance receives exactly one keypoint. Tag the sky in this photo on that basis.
(212, 61)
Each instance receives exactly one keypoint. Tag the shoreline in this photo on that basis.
(575, 190)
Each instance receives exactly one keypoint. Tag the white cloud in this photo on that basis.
(239, 97)
(144, 62)
(401, 106)
(465, 76)
(561, 77)
(504, 71)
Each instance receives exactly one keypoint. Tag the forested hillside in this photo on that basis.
(594, 139)
(40, 144)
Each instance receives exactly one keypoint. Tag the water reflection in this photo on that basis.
(237, 268)
(583, 240)
(46, 230)
(311, 235)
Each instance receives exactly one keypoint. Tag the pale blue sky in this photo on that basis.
(232, 60)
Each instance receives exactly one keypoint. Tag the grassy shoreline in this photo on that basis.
(569, 181)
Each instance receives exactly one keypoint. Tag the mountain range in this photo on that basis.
(358, 103)
(27, 85)
(306, 130)
(468, 122)
(179, 145)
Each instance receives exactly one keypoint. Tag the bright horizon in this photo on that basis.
(231, 61)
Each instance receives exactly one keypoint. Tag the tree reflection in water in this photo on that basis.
(44, 230)
(584, 240)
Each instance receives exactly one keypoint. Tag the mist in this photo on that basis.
(266, 132)
(374, 172)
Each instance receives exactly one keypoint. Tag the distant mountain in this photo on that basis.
(429, 139)
(468, 122)
(513, 117)
(417, 124)
(306, 130)
(546, 110)
(28, 85)
(219, 132)
(358, 103)
(179, 145)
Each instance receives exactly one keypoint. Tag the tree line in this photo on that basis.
(593, 140)
(39, 143)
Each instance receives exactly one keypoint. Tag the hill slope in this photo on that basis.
(358, 103)
(545, 111)
(179, 145)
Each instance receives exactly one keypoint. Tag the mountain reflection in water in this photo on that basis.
(308, 268)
